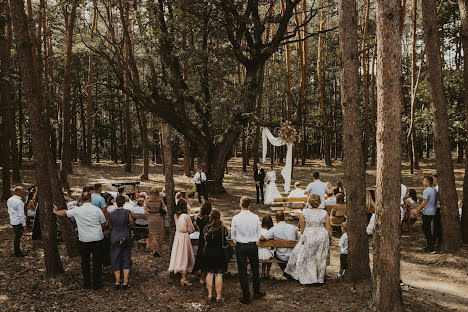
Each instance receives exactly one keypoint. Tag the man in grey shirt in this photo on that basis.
(281, 231)
(428, 208)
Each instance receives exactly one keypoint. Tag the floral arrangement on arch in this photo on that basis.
(287, 133)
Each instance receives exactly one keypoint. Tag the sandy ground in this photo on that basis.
(433, 282)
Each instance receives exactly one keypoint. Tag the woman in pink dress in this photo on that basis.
(182, 258)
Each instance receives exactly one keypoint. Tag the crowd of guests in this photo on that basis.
(104, 223)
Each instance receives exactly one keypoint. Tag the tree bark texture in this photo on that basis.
(44, 164)
(386, 288)
(358, 268)
(451, 235)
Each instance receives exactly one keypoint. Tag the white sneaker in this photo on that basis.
(339, 276)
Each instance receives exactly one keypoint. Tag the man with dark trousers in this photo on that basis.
(245, 232)
(259, 177)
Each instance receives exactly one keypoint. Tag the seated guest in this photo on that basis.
(129, 204)
(329, 187)
(120, 221)
(178, 196)
(139, 209)
(336, 218)
(298, 192)
(282, 231)
(331, 199)
(96, 198)
(214, 261)
(182, 259)
(90, 222)
(153, 207)
(264, 253)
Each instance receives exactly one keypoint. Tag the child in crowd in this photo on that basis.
(264, 253)
(344, 250)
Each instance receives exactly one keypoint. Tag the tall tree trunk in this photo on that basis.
(358, 269)
(66, 164)
(325, 130)
(40, 129)
(89, 103)
(386, 288)
(365, 85)
(288, 73)
(5, 104)
(245, 161)
(373, 105)
(187, 164)
(304, 83)
(168, 175)
(411, 132)
(463, 6)
(447, 192)
(144, 142)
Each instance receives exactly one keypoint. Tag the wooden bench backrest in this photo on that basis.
(290, 200)
(139, 216)
(340, 207)
(273, 243)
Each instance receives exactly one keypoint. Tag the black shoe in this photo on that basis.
(19, 254)
(125, 286)
(245, 301)
(117, 286)
(156, 254)
(259, 295)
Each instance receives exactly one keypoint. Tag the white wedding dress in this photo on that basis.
(271, 190)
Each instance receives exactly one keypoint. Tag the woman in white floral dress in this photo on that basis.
(308, 260)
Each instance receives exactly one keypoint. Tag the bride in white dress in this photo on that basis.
(271, 190)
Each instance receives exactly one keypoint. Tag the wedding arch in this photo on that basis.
(287, 137)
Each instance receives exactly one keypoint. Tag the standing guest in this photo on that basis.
(437, 218)
(428, 208)
(214, 261)
(298, 192)
(31, 207)
(90, 222)
(318, 188)
(281, 231)
(411, 209)
(344, 250)
(245, 232)
(308, 260)
(402, 201)
(264, 253)
(96, 198)
(202, 220)
(182, 259)
(200, 183)
(259, 177)
(120, 221)
(17, 219)
(153, 207)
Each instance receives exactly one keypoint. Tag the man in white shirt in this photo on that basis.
(282, 231)
(200, 183)
(402, 201)
(245, 232)
(318, 188)
(331, 200)
(298, 192)
(17, 219)
(90, 220)
(139, 209)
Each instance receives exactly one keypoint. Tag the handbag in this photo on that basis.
(227, 248)
(162, 212)
(126, 241)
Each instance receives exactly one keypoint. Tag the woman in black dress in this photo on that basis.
(202, 220)
(214, 261)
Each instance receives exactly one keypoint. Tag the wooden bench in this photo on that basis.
(337, 214)
(297, 203)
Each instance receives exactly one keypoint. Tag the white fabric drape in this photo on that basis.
(287, 170)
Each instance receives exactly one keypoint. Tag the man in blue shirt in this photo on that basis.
(428, 208)
(96, 198)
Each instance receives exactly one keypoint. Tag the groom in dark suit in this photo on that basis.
(259, 177)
